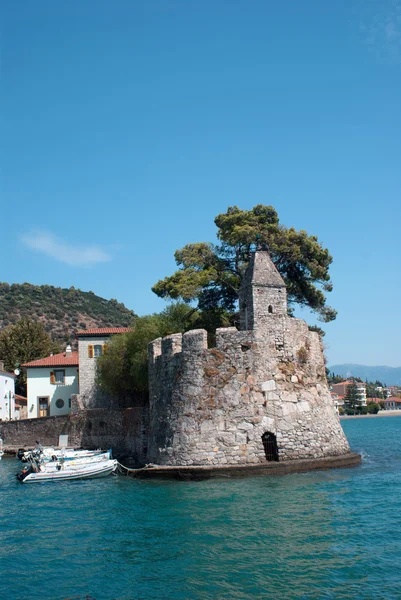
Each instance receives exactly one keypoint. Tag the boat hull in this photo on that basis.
(87, 472)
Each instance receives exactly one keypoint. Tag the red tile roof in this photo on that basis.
(103, 331)
(64, 359)
(393, 399)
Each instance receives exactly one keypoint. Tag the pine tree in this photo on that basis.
(352, 398)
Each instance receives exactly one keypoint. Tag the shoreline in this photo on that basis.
(382, 413)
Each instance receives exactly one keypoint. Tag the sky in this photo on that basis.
(128, 126)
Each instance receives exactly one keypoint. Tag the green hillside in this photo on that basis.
(62, 311)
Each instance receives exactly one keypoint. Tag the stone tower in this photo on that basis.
(260, 395)
(263, 293)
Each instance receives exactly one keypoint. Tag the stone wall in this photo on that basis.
(211, 406)
(90, 396)
(125, 431)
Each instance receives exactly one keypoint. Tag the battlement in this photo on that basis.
(183, 346)
(177, 344)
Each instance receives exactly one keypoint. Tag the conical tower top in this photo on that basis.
(263, 293)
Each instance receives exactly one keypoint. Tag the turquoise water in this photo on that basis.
(328, 534)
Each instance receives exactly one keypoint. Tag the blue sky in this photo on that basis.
(128, 126)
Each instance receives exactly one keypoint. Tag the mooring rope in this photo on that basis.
(127, 472)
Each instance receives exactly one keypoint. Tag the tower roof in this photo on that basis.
(263, 270)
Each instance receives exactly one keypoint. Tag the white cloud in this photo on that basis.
(76, 256)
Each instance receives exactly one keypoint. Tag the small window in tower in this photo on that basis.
(97, 350)
(270, 309)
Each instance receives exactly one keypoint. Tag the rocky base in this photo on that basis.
(350, 459)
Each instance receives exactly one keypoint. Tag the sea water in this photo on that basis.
(324, 534)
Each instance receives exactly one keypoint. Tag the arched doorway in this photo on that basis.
(270, 445)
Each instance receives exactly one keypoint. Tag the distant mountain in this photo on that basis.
(387, 375)
(62, 311)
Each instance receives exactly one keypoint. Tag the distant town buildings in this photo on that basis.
(339, 391)
(392, 403)
(392, 400)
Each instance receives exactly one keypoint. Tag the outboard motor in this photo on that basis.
(20, 453)
(24, 473)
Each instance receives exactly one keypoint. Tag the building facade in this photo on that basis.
(392, 403)
(7, 395)
(51, 381)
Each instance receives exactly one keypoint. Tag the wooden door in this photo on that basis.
(270, 445)
(44, 408)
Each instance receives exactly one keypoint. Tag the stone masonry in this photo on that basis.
(87, 367)
(211, 406)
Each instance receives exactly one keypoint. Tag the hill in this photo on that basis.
(387, 375)
(62, 311)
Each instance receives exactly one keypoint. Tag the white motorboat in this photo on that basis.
(51, 465)
(46, 453)
(1, 449)
(34, 473)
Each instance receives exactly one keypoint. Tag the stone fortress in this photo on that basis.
(260, 395)
(256, 403)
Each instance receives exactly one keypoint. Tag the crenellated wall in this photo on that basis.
(211, 406)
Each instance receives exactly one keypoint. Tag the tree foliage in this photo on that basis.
(22, 342)
(352, 398)
(372, 390)
(373, 408)
(123, 370)
(211, 274)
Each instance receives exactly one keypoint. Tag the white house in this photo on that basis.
(7, 395)
(51, 381)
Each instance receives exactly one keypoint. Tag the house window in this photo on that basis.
(59, 376)
(97, 350)
(60, 403)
